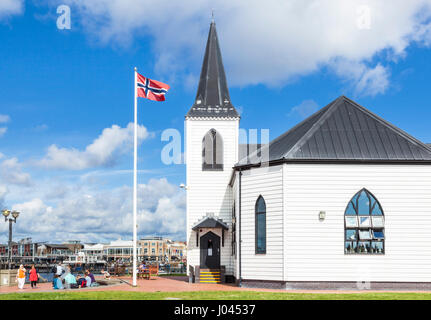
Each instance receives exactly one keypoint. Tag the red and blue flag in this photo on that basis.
(151, 89)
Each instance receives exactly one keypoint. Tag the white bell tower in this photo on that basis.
(211, 127)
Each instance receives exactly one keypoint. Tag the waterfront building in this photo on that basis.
(50, 252)
(74, 252)
(121, 250)
(22, 251)
(154, 249)
(89, 254)
(341, 199)
(162, 250)
(178, 251)
(94, 253)
(74, 245)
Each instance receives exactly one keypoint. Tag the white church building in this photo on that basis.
(341, 199)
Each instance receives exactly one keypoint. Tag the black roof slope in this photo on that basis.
(212, 98)
(344, 131)
(210, 222)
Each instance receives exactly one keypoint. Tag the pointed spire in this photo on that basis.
(212, 97)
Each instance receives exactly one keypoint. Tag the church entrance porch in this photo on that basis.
(209, 239)
(210, 251)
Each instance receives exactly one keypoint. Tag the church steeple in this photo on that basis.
(212, 98)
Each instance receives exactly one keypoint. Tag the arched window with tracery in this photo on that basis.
(212, 151)
(260, 219)
(364, 225)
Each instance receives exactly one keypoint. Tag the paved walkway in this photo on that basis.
(165, 284)
(155, 284)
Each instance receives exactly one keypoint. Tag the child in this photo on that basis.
(106, 275)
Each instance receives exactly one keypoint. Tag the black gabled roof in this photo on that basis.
(210, 222)
(344, 130)
(212, 98)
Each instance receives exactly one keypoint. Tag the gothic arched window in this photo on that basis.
(364, 225)
(212, 151)
(260, 212)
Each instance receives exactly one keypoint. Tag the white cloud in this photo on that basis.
(3, 191)
(92, 215)
(373, 81)
(304, 109)
(367, 81)
(4, 118)
(10, 7)
(103, 152)
(11, 173)
(40, 128)
(270, 44)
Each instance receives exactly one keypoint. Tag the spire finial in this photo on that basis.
(212, 15)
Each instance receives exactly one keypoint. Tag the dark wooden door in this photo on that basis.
(210, 251)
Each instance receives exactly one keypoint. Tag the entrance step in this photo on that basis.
(210, 276)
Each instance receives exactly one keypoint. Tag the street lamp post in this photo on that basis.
(15, 215)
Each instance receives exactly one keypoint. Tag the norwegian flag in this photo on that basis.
(150, 89)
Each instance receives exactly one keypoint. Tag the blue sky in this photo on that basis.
(66, 96)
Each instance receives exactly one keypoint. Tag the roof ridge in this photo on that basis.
(343, 130)
(389, 125)
(268, 145)
(331, 108)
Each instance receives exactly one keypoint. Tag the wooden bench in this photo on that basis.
(144, 274)
(154, 270)
(148, 272)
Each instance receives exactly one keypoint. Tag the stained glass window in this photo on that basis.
(364, 225)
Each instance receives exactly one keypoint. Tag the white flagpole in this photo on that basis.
(135, 184)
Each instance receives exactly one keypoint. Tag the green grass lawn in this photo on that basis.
(211, 295)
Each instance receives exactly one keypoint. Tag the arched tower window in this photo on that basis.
(364, 225)
(260, 210)
(212, 151)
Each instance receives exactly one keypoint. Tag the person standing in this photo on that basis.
(59, 270)
(20, 277)
(34, 276)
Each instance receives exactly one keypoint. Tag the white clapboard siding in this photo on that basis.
(267, 182)
(209, 191)
(314, 250)
(235, 193)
